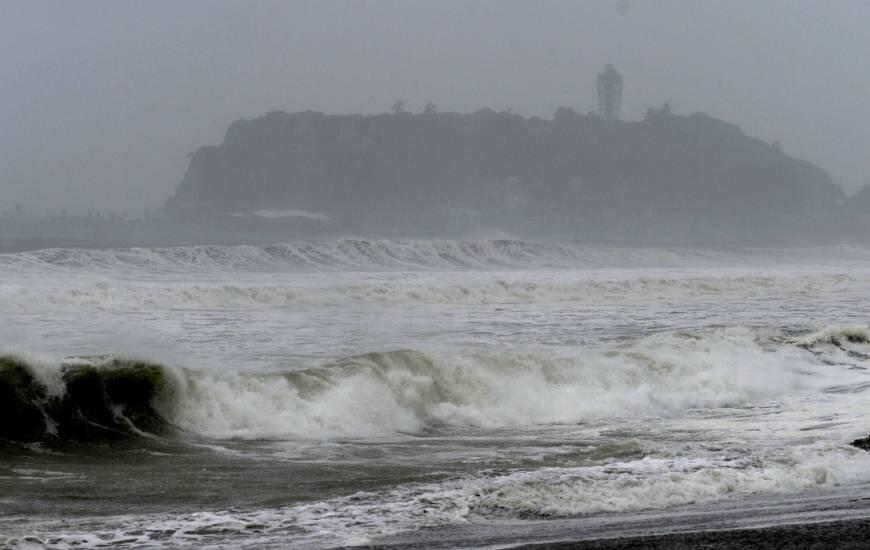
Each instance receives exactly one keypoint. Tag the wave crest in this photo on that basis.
(397, 255)
(339, 255)
(410, 391)
(629, 290)
(109, 398)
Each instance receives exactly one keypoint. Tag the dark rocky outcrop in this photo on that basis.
(667, 177)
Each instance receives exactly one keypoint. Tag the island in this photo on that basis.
(664, 178)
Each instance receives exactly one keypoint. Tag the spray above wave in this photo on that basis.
(410, 391)
(383, 255)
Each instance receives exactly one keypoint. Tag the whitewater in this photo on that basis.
(465, 393)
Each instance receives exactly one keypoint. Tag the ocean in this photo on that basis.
(427, 393)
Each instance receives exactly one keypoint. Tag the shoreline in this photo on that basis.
(835, 518)
(847, 534)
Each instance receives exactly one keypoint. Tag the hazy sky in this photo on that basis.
(100, 101)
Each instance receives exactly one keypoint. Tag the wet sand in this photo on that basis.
(834, 534)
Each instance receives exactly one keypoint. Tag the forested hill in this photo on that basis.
(666, 177)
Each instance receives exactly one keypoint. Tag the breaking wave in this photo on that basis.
(81, 400)
(408, 391)
(341, 255)
(118, 296)
(390, 255)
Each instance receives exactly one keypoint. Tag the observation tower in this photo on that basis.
(609, 93)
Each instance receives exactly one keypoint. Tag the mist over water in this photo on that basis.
(432, 274)
(107, 100)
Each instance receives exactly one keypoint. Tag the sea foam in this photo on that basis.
(420, 255)
(407, 391)
(122, 296)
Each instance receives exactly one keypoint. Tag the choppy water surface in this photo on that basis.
(359, 392)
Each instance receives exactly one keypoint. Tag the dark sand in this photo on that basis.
(834, 534)
(839, 518)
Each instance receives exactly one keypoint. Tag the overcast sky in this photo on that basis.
(100, 101)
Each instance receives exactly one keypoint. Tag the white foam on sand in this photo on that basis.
(486, 497)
